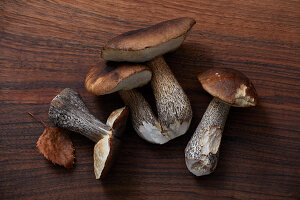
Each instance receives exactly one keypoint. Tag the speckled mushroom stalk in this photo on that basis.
(202, 151)
(148, 45)
(173, 106)
(68, 111)
(229, 88)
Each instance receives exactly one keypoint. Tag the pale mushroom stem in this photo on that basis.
(202, 151)
(142, 116)
(173, 106)
(68, 111)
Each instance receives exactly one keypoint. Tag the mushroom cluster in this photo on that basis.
(124, 69)
(132, 60)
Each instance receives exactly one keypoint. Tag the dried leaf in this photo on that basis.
(56, 145)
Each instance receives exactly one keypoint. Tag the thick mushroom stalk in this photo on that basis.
(173, 107)
(202, 151)
(144, 121)
(68, 111)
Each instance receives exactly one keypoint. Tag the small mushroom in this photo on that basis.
(173, 106)
(68, 111)
(229, 88)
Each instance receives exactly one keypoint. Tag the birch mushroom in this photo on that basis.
(109, 77)
(68, 111)
(173, 106)
(229, 88)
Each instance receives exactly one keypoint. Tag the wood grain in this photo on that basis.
(46, 46)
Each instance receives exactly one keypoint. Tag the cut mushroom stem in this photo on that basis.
(68, 111)
(202, 151)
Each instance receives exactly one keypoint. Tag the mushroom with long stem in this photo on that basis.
(68, 111)
(173, 106)
(229, 88)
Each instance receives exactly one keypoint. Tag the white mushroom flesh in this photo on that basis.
(102, 148)
(101, 152)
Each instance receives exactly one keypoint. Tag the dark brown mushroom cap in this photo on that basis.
(108, 77)
(144, 44)
(229, 85)
(106, 150)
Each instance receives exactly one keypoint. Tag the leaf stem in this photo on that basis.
(37, 119)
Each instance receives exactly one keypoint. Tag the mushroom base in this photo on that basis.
(146, 123)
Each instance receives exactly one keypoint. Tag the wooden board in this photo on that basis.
(46, 46)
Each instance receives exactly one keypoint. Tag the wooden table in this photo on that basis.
(46, 46)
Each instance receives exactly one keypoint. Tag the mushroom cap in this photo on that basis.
(229, 85)
(109, 77)
(144, 44)
(109, 145)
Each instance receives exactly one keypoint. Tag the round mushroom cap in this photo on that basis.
(144, 44)
(109, 77)
(229, 85)
(106, 150)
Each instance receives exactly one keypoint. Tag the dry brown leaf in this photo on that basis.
(56, 145)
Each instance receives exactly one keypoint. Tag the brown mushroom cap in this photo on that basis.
(229, 85)
(144, 44)
(108, 77)
(106, 149)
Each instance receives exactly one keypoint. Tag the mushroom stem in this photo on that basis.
(68, 111)
(144, 121)
(173, 106)
(202, 151)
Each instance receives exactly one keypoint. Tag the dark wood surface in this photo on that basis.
(46, 46)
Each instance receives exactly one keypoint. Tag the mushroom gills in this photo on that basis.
(202, 151)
